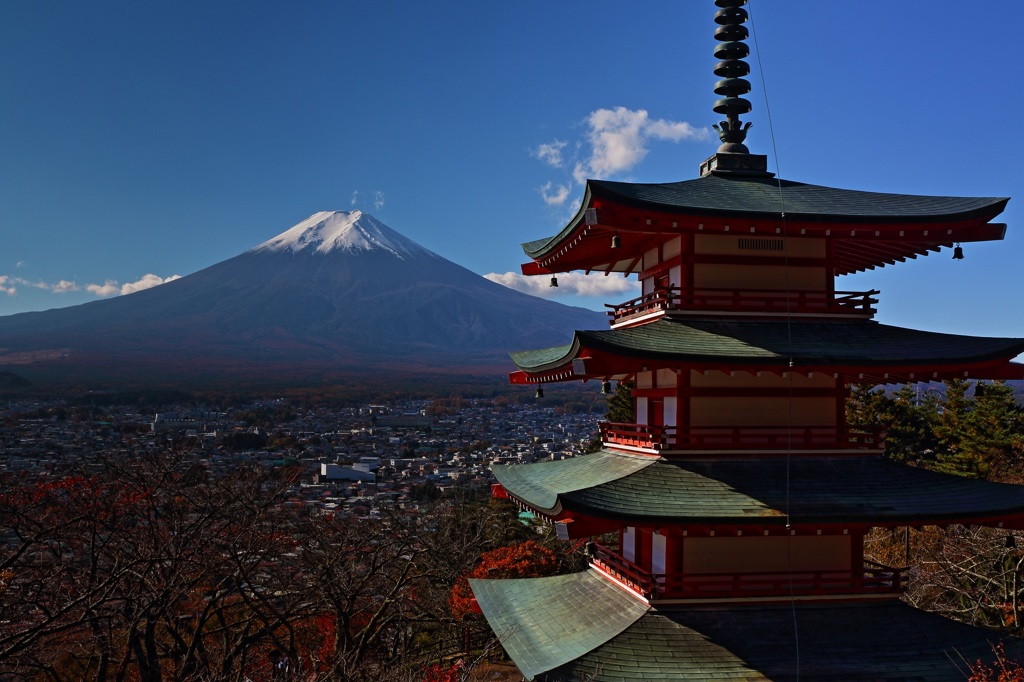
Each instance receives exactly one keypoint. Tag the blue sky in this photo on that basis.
(144, 140)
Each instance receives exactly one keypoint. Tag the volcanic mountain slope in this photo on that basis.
(340, 290)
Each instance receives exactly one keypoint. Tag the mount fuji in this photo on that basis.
(339, 293)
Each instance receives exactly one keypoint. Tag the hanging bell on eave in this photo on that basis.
(1011, 541)
(540, 392)
(554, 281)
(958, 252)
(616, 241)
(606, 387)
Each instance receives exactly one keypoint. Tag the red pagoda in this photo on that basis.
(740, 497)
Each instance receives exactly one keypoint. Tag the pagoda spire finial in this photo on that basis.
(732, 156)
(731, 68)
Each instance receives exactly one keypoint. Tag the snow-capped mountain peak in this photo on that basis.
(350, 231)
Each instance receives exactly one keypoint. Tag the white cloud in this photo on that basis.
(554, 195)
(378, 200)
(569, 283)
(109, 288)
(550, 153)
(9, 285)
(616, 141)
(355, 198)
(146, 282)
(64, 286)
(619, 139)
(112, 288)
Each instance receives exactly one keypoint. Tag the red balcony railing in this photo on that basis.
(860, 303)
(872, 579)
(638, 435)
(623, 570)
(659, 438)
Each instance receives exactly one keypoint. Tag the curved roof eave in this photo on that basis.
(767, 342)
(821, 490)
(766, 198)
(538, 247)
(539, 485)
(538, 620)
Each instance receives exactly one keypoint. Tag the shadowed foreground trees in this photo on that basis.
(969, 573)
(157, 570)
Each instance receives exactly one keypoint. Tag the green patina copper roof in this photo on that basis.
(742, 197)
(886, 641)
(760, 196)
(540, 486)
(547, 622)
(544, 357)
(770, 342)
(865, 489)
(581, 627)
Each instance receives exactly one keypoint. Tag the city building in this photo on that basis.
(738, 497)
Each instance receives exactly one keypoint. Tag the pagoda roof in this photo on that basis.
(907, 225)
(757, 491)
(753, 342)
(544, 624)
(763, 197)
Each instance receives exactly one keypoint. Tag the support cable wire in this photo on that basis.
(789, 334)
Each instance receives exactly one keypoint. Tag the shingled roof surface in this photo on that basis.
(867, 641)
(866, 489)
(769, 342)
(581, 627)
(751, 197)
(546, 622)
(743, 196)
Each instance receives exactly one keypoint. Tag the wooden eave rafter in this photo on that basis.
(857, 246)
(551, 376)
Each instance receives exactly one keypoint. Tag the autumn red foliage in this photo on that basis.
(440, 673)
(524, 560)
(1003, 670)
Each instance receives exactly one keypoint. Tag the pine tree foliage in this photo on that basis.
(979, 436)
(620, 404)
(907, 418)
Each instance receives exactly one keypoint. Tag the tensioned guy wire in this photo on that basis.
(789, 330)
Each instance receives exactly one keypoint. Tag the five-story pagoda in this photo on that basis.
(740, 497)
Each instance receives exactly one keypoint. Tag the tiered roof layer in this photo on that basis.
(844, 490)
(580, 626)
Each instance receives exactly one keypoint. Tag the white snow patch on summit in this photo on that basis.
(349, 231)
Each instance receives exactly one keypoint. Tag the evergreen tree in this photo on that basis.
(620, 405)
(994, 431)
(907, 420)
